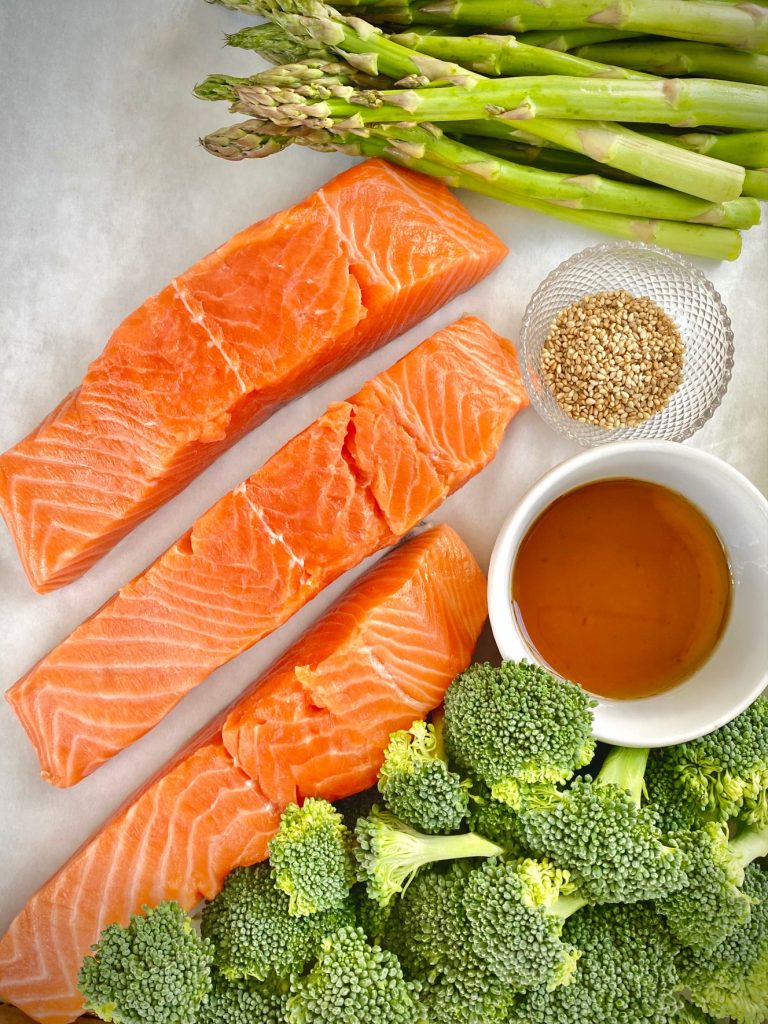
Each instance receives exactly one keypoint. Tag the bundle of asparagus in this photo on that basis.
(572, 120)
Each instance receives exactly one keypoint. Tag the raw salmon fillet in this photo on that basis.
(272, 312)
(354, 481)
(316, 724)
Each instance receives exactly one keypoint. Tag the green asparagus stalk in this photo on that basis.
(590, 192)
(631, 153)
(276, 46)
(742, 26)
(679, 58)
(570, 39)
(551, 159)
(547, 158)
(322, 77)
(756, 183)
(675, 102)
(315, 20)
(363, 46)
(505, 55)
(625, 150)
(243, 141)
(750, 149)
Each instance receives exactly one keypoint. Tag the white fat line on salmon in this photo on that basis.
(198, 317)
(274, 535)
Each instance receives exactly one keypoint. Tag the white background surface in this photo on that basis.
(104, 196)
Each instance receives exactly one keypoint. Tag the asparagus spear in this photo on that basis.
(276, 46)
(242, 141)
(678, 58)
(591, 192)
(570, 39)
(743, 26)
(545, 157)
(629, 151)
(750, 149)
(329, 78)
(756, 183)
(312, 19)
(363, 46)
(673, 102)
(505, 55)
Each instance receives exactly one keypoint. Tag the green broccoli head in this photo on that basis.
(243, 1002)
(674, 808)
(515, 923)
(311, 859)
(732, 980)
(703, 913)
(156, 970)
(468, 994)
(390, 853)
(417, 784)
(370, 915)
(494, 820)
(254, 935)
(722, 775)
(428, 925)
(353, 982)
(612, 848)
(626, 973)
(517, 725)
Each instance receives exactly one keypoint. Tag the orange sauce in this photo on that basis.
(622, 586)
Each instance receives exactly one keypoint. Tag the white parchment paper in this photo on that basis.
(104, 196)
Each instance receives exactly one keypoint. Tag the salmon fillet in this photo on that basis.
(382, 657)
(272, 312)
(354, 481)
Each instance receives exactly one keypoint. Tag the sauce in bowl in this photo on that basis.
(622, 586)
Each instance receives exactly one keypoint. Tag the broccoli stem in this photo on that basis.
(625, 767)
(428, 849)
(564, 906)
(750, 844)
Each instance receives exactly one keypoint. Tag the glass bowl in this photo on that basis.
(681, 290)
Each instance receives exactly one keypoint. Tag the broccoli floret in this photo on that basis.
(417, 784)
(370, 915)
(389, 852)
(626, 973)
(517, 725)
(597, 831)
(674, 809)
(310, 857)
(494, 820)
(712, 904)
(353, 982)
(156, 970)
(428, 925)
(466, 995)
(723, 775)
(516, 913)
(732, 980)
(243, 1002)
(254, 935)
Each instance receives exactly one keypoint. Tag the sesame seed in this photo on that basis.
(612, 359)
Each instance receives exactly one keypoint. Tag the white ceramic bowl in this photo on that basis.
(737, 670)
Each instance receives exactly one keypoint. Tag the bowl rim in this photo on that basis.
(619, 435)
(507, 635)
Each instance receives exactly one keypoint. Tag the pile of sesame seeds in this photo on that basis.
(612, 359)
